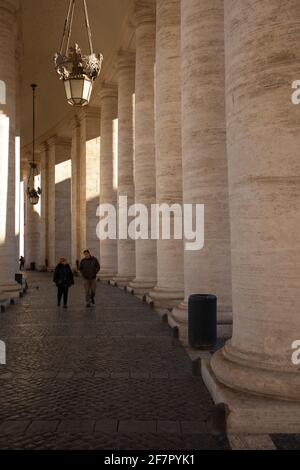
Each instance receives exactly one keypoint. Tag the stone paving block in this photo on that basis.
(64, 375)
(197, 427)
(13, 427)
(139, 375)
(102, 374)
(77, 426)
(5, 376)
(168, 427)
(159, 375)
(119, 375)
(40, 426)
(137, 427)
(106, 425)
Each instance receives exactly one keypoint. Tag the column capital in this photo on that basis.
(58, 140)
(89, 112)
(144, 12)
(9, 10)
(108, 90)
(42, 147)
(74, 122)
(125, 60)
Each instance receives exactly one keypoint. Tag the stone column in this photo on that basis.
(75, 192)
(89, 185)
(205, 179)
(32, 214)
(169, 290)
(59, 197)
(264, 174)
(109, 173)
(145, 176)
(9, 85)
(43, 222)
(51, 204)
(126, 108)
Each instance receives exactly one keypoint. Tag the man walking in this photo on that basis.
(89, 267)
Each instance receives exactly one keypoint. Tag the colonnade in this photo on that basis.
(193, 116)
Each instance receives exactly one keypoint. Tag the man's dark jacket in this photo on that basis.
(89, 267)
(63, 275)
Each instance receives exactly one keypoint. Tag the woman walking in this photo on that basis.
(63, 278)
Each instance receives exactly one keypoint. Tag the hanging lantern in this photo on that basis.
(32, 193)
(77, 71)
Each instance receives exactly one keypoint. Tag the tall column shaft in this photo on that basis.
(145, 174)
(51, 260)
(9, 78)
(89, 179)
(43, 222)
(33, 236)
(126, 108)
(205, 179)
(75, 193)
(109, 174)
(169, 290)
(59, 202)
(264, 175)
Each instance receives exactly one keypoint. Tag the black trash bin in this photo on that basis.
(202, 327)
(19, 278)
(32, 266)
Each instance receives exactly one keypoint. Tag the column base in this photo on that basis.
(42, 269)
(164, 298)
(11, 288)
(121, 281)
(106, 276)
(250, 414)
(141, 287)
(179, 318)
(256, 374)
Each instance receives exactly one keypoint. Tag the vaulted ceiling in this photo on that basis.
(42, 24)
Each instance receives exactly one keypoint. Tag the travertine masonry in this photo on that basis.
(264, 173)
(108, 173)
(169, 290)
(9, 75)
(205, 179)
(145, 179)
(126, 97)
(89, 187)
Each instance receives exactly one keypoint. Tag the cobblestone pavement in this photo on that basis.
(109, 377)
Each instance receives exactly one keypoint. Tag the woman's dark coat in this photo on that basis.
(63, 275)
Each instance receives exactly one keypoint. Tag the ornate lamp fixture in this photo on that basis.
(77, 71)
(32, 193)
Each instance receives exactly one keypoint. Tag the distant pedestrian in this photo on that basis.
(63, 278)
(89, 267)
(22, 263)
